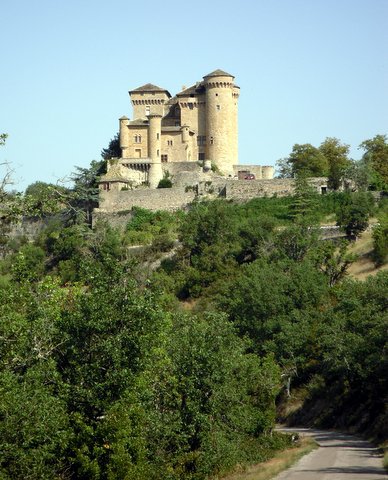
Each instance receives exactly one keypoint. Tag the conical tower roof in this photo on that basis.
(218, 73)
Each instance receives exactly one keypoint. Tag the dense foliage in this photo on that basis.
(331, 159)
(158, 351)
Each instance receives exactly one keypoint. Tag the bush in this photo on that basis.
(165, 183)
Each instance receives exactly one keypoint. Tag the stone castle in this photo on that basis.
(191, 138)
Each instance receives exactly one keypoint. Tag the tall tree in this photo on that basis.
(376, 152)
(309, 159)
(336, 155)
(303, 208)
(85, 191)
(283, 168)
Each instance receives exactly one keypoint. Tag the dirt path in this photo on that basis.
(339, 457)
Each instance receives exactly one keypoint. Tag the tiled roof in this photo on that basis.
(218, 73)
(149, 88)
(198, 88)
(138, 122)
(113, 175)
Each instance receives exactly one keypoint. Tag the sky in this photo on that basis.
(307, 69)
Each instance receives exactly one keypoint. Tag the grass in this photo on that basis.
(281, 461)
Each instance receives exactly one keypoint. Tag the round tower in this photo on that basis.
(154, 141)
(268, 172)
(221, 120)
(123, 135)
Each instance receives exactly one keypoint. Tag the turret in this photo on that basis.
(123, 134)
(154, 142)
(221, 120)
(185, 133)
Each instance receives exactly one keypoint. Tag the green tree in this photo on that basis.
(284, 168)
(210, 243)
(380, 240)
(333, 260)
(41, 199)
(224, 396)
(352, 342)
(337, 158)
(34, 431)
(360, 173)
(303, 208)
(308, 159)
(84, 196)
(376, 152)
(28, 263)
(113, 150)
(353, 213)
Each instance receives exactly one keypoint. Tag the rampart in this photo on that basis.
(116, 204)
(169, 199)
(248, 189)
(281, 187)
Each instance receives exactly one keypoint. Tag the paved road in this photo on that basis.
(339, 457)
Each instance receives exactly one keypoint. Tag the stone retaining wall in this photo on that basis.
(169, 199)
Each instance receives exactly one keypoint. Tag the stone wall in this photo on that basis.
(169, 199)
(248, 189)
(174, 168)
(194, 186)
(31, 227)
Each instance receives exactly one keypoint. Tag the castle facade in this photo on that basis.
(198, 124)
(191, 138)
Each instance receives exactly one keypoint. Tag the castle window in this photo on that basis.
(164, 158)
(137, 138)
(157, 136)
(169, 143)
(147, 110)
(201, 140)
(157, 153)
(201, 156)
(218, 107)
(211, 141)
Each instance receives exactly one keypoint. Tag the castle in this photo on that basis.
(191, 138)
(198, 124)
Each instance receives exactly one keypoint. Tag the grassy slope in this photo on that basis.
(364, 266)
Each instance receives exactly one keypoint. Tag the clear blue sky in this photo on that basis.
(308, 69)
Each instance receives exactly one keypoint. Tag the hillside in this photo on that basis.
(104, 375)
(364, 265)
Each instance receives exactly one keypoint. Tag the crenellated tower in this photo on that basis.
(221, 120)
